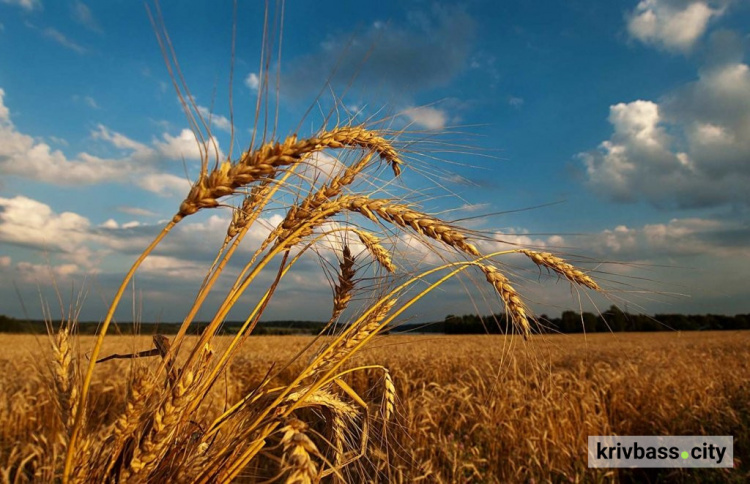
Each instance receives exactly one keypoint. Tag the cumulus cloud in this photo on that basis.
(185, 146)
(44, 273)
(679, 237)
(24, 156)
(217, 120)
(252, 81)
(30, 223)
(426, 116)
(674, 25)
(164, 184)
(688, 150)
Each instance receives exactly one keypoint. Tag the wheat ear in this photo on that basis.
(378, 251)
(343, 290)
(513, 303)
(557, 264)
(166, 419)
(342, 350)
(389, 395)
(404, 216)
(266, 160)
(297, 450)
(65, 379)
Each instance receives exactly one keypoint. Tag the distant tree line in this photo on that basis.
(13, 325)
(612, 320)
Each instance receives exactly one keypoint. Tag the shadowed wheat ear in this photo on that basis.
(266, 160)
(298, 448)
(325, 197)
(165, 420)
(378, 251)
(557, 264)
(66, 381)
(513, 303)
(343, 348)
(343, 290)
(241, 214)
(389, 396)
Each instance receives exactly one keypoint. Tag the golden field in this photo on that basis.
(468, 408)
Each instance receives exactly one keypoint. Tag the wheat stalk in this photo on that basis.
(341, 350)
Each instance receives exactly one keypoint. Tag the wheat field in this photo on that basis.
(466, 408)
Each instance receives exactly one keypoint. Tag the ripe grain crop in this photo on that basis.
(462, 408)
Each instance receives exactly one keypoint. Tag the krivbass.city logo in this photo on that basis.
(661, 451)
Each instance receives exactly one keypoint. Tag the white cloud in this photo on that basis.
(61, 39)
(516, 102)
(27, 222)
(185, 145)
(82, 14)
(252, 81)
(91, 102)
(689, 150)
(136, 211)
(428, 117)
(23, 156)
(173, 268)
(43, 274)
(217, 120)
(164, 184)
(679, 237)
(4, 111)
(28, 5)
(672, 25)
(119, 140)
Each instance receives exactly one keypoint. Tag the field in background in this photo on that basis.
(470, 408)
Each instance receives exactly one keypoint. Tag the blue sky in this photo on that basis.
(630, 120)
